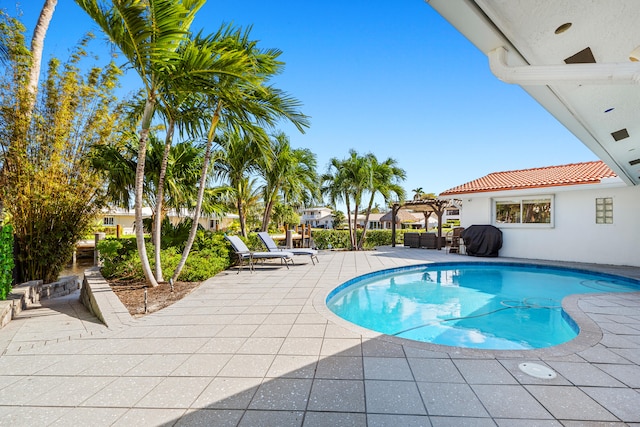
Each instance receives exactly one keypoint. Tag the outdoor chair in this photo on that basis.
(273, 248)
(456, 240)
(244, 254)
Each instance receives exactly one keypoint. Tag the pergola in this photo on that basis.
(427, 207)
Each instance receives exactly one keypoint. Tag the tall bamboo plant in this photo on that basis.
(51, 191)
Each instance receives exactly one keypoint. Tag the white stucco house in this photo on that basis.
(579, 212)
(318, 217)
(113, 217)
(582, 64)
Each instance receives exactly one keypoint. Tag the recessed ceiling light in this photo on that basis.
(562, 28)
(608, 110)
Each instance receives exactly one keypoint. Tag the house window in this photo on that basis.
(529, 211)
(604, 210)
(375, 225)
(108, 220)
(452, 212)
(212, 224)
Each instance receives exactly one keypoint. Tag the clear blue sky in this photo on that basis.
(391, 78)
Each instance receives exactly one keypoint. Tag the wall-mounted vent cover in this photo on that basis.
(634, 162)
(620, 134)
(585, 56)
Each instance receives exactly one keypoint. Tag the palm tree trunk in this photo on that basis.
(366, 222)
(37, 46)
(157, 229)
(139, 187)
(203, 180)
(354, 237)
(266, 218)
(243, 221)
(349, 224)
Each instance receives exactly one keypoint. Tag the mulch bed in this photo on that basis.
(132, 295)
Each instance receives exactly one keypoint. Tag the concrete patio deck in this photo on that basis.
(261, 349)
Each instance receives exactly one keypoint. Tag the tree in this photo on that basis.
(244, 103)
(37, 47)
(338, 219)
(285, 215)
(118, 162)
(384, 180)
(52, 192)
(346, 181)
(237, 158)
(335, 188)
(291, 175)
(155, 37)
(417, 193)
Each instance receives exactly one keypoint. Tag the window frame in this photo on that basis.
(605, 202)
(521, 200)
(108, 221)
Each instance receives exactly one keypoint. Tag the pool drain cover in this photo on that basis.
(537, 371)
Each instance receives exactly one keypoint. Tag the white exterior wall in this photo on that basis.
(575, 235)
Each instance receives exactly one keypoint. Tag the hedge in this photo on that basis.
(6, 260)
(339, 239)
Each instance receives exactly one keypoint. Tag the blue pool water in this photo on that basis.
(476, 305)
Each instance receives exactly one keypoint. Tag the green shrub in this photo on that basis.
(331, 239)
(6, 261)
(120, 259)
(209, 256)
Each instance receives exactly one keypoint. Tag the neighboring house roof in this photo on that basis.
(375, 216)
(318, 208)
(147, 211)
(551, 176)
(402, 216)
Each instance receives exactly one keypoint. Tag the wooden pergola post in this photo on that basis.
(394, 212)
(438, 207)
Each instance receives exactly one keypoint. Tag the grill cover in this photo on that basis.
(482, 240)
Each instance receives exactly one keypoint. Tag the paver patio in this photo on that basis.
(262, 349)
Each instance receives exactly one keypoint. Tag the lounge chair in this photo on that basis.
(273, 248)
(244, 254)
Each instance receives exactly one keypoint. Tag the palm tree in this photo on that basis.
(152, 35)
(291, 174)
(357, 172)
(335, 187)
(243, 103)
(237, 158)
(384, 180)
(338, 218)
(346, 181)
(119, 164)
(417, 193)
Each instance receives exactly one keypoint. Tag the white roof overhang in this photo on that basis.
(573, 57)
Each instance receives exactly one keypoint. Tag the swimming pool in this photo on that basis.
(500, 306)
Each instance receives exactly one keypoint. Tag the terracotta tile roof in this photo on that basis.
(551, 176)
